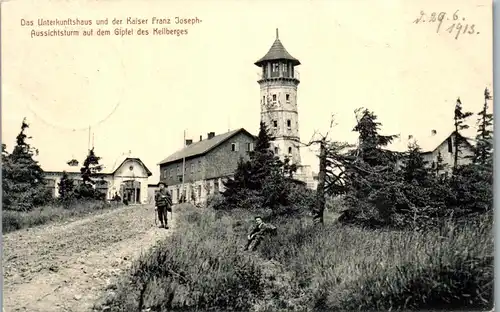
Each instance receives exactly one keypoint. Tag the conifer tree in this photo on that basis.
(66, 187)
(483, 151)
(6, 178)
(90, 170)
(27, 188)
(414, 166)
(460, 117)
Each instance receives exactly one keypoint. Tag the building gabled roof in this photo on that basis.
(112, 170)
(277, 52)
(202, 147)
(107, 168)
(427, 144)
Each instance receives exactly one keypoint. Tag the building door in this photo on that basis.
(131, 190)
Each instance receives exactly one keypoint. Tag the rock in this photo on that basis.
(77, 297)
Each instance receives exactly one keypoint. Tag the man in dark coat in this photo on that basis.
(163, 203)
(258, 232)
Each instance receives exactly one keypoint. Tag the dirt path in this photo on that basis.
(64, 267)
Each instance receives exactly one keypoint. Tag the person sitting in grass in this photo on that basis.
(258, 233)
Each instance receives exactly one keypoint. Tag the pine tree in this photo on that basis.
(483, 151)
(66, 187)
(371, 143)
(460, 117)
(369, 171)
(414, 166)
(262, 159)
(90, 170)
(27, 188)
(263, 175)
(6, 178)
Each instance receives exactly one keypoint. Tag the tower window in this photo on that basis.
(287, 97)
(275, 68)
(284, 68)
(276, 150)
(275, 123)
(274, 97)
(289, 123)
(289, 150)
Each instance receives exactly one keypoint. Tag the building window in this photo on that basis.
(289, 123)
(234, 147)
(192, 168)
(249, 147)
(276, 150)
(274, 97)
(178, 194)
(450, 145)
(165, 173)
(178, 169)
(171, 172)
(199, 165)
(287, 97)
(275, 123)
(289, 150)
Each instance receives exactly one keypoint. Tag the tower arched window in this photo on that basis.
(289, 150)
(288, 123)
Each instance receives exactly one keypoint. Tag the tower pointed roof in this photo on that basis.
(277, 52)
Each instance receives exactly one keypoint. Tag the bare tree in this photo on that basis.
(330, 168)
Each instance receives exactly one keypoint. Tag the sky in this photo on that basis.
(140, 93)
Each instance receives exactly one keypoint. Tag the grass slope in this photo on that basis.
(202, 267)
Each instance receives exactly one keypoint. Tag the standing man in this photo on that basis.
(257, 234)
(163, 203)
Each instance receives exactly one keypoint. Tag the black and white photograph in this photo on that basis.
(260, 156)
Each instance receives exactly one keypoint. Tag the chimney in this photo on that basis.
(201, 138)
(433, 132)
(210, 135)
(189, 142)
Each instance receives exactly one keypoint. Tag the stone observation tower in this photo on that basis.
(278, 100)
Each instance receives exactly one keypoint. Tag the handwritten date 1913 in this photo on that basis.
(457, 28)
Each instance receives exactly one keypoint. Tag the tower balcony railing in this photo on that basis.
(270, 75)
